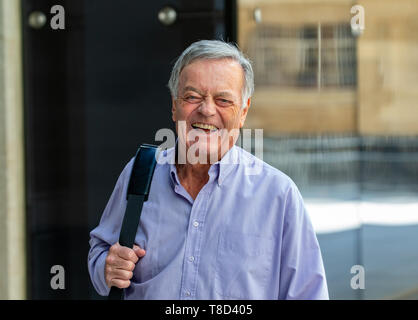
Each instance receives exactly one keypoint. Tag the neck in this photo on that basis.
(193, 177)
(193, 172)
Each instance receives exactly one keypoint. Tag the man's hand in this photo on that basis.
(120, 262)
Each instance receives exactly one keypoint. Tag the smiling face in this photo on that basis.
(209, 105)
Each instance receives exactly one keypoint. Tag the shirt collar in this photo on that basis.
(226, 164)
(221, 168)
(170, 155)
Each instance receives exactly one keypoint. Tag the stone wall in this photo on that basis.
(12, 194)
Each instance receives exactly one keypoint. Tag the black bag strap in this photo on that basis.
(138, 190)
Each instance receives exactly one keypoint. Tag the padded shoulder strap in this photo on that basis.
(138, 190)
(142, 171)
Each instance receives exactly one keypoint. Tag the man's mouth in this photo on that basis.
(204, 126)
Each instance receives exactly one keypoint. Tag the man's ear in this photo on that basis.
(244, 112)
(173, 109)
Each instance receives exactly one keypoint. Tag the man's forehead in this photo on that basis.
(221, 75)
(202, 67)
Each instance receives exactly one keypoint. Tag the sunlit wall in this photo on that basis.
(336, 96)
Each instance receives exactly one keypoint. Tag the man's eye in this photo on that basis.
(193, 99)
(224, 102)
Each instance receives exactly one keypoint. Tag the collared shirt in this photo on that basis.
(247, 235)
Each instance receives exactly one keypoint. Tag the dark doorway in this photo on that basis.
(93, 92)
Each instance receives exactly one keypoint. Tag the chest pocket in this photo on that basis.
(243, 265)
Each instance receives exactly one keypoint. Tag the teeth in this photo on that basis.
(204, 126)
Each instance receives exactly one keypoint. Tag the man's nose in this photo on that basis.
(207, 107)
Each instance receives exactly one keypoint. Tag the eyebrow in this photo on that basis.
(225, 94)
(218, 94)
(190, 88)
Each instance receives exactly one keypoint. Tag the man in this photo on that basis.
(210, 230)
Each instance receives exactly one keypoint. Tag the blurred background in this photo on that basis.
(338, 106)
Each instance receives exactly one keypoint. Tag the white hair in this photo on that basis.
(213, 49)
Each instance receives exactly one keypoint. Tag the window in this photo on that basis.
(289, 56)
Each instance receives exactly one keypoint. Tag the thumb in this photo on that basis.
(139, 251)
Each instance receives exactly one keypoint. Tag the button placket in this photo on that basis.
(189, 268)
(193, 246)
(194, 241)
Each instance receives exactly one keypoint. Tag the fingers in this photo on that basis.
(122, 284)
(122, 274)
(120, 263)
(127, 254)
(139, 251)
(118, 272)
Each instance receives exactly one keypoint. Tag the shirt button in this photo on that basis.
(187, 293)
(195, 224)
(191, 258)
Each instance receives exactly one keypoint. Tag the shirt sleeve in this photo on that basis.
(302, 274)
(107, 232)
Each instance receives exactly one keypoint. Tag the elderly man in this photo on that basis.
(210, 230)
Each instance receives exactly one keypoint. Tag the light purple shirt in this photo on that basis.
(245, 236)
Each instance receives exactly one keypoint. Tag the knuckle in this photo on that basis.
(126, 284)
(126, 276)
(132, 255)
(110, 259)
